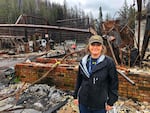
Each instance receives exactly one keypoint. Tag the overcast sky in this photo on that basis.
(108, 6)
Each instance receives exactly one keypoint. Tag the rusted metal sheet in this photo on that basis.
(123, 38)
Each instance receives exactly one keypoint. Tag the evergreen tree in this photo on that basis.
(127, 14)
(11, 9)
(100, 15)
(108, 17)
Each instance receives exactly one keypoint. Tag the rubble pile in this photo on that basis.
(39, 97)
(123, 105)
(130, 106)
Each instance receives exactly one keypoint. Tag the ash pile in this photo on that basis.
(39, 98)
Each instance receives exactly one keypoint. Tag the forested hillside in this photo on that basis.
(11, 9)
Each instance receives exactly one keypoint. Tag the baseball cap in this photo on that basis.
(95, 38)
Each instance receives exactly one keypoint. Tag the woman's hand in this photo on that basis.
(76, 101)
(108, 107)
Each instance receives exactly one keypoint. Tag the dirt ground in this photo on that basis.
(70, 107)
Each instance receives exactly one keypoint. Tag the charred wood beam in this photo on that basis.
(112, 51)
(127, 78)
(139, 26)
(10, 36)
(144, 46)
(13, 42)
(19, 18)
(139, 4)
(75, 19)
(57, 107)
(12, 109)
(146, 37)
(22, 41)
(45, 27)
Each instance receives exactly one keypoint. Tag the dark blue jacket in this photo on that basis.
(99, 88)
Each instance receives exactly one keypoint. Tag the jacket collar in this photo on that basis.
(84, 62)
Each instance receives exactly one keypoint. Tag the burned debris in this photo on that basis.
(39, 64)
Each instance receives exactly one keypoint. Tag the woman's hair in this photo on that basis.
(104, 50)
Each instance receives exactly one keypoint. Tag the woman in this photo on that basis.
(97, 80)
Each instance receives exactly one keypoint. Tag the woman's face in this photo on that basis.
(95, 49)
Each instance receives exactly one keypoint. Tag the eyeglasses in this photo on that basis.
(96, 44)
